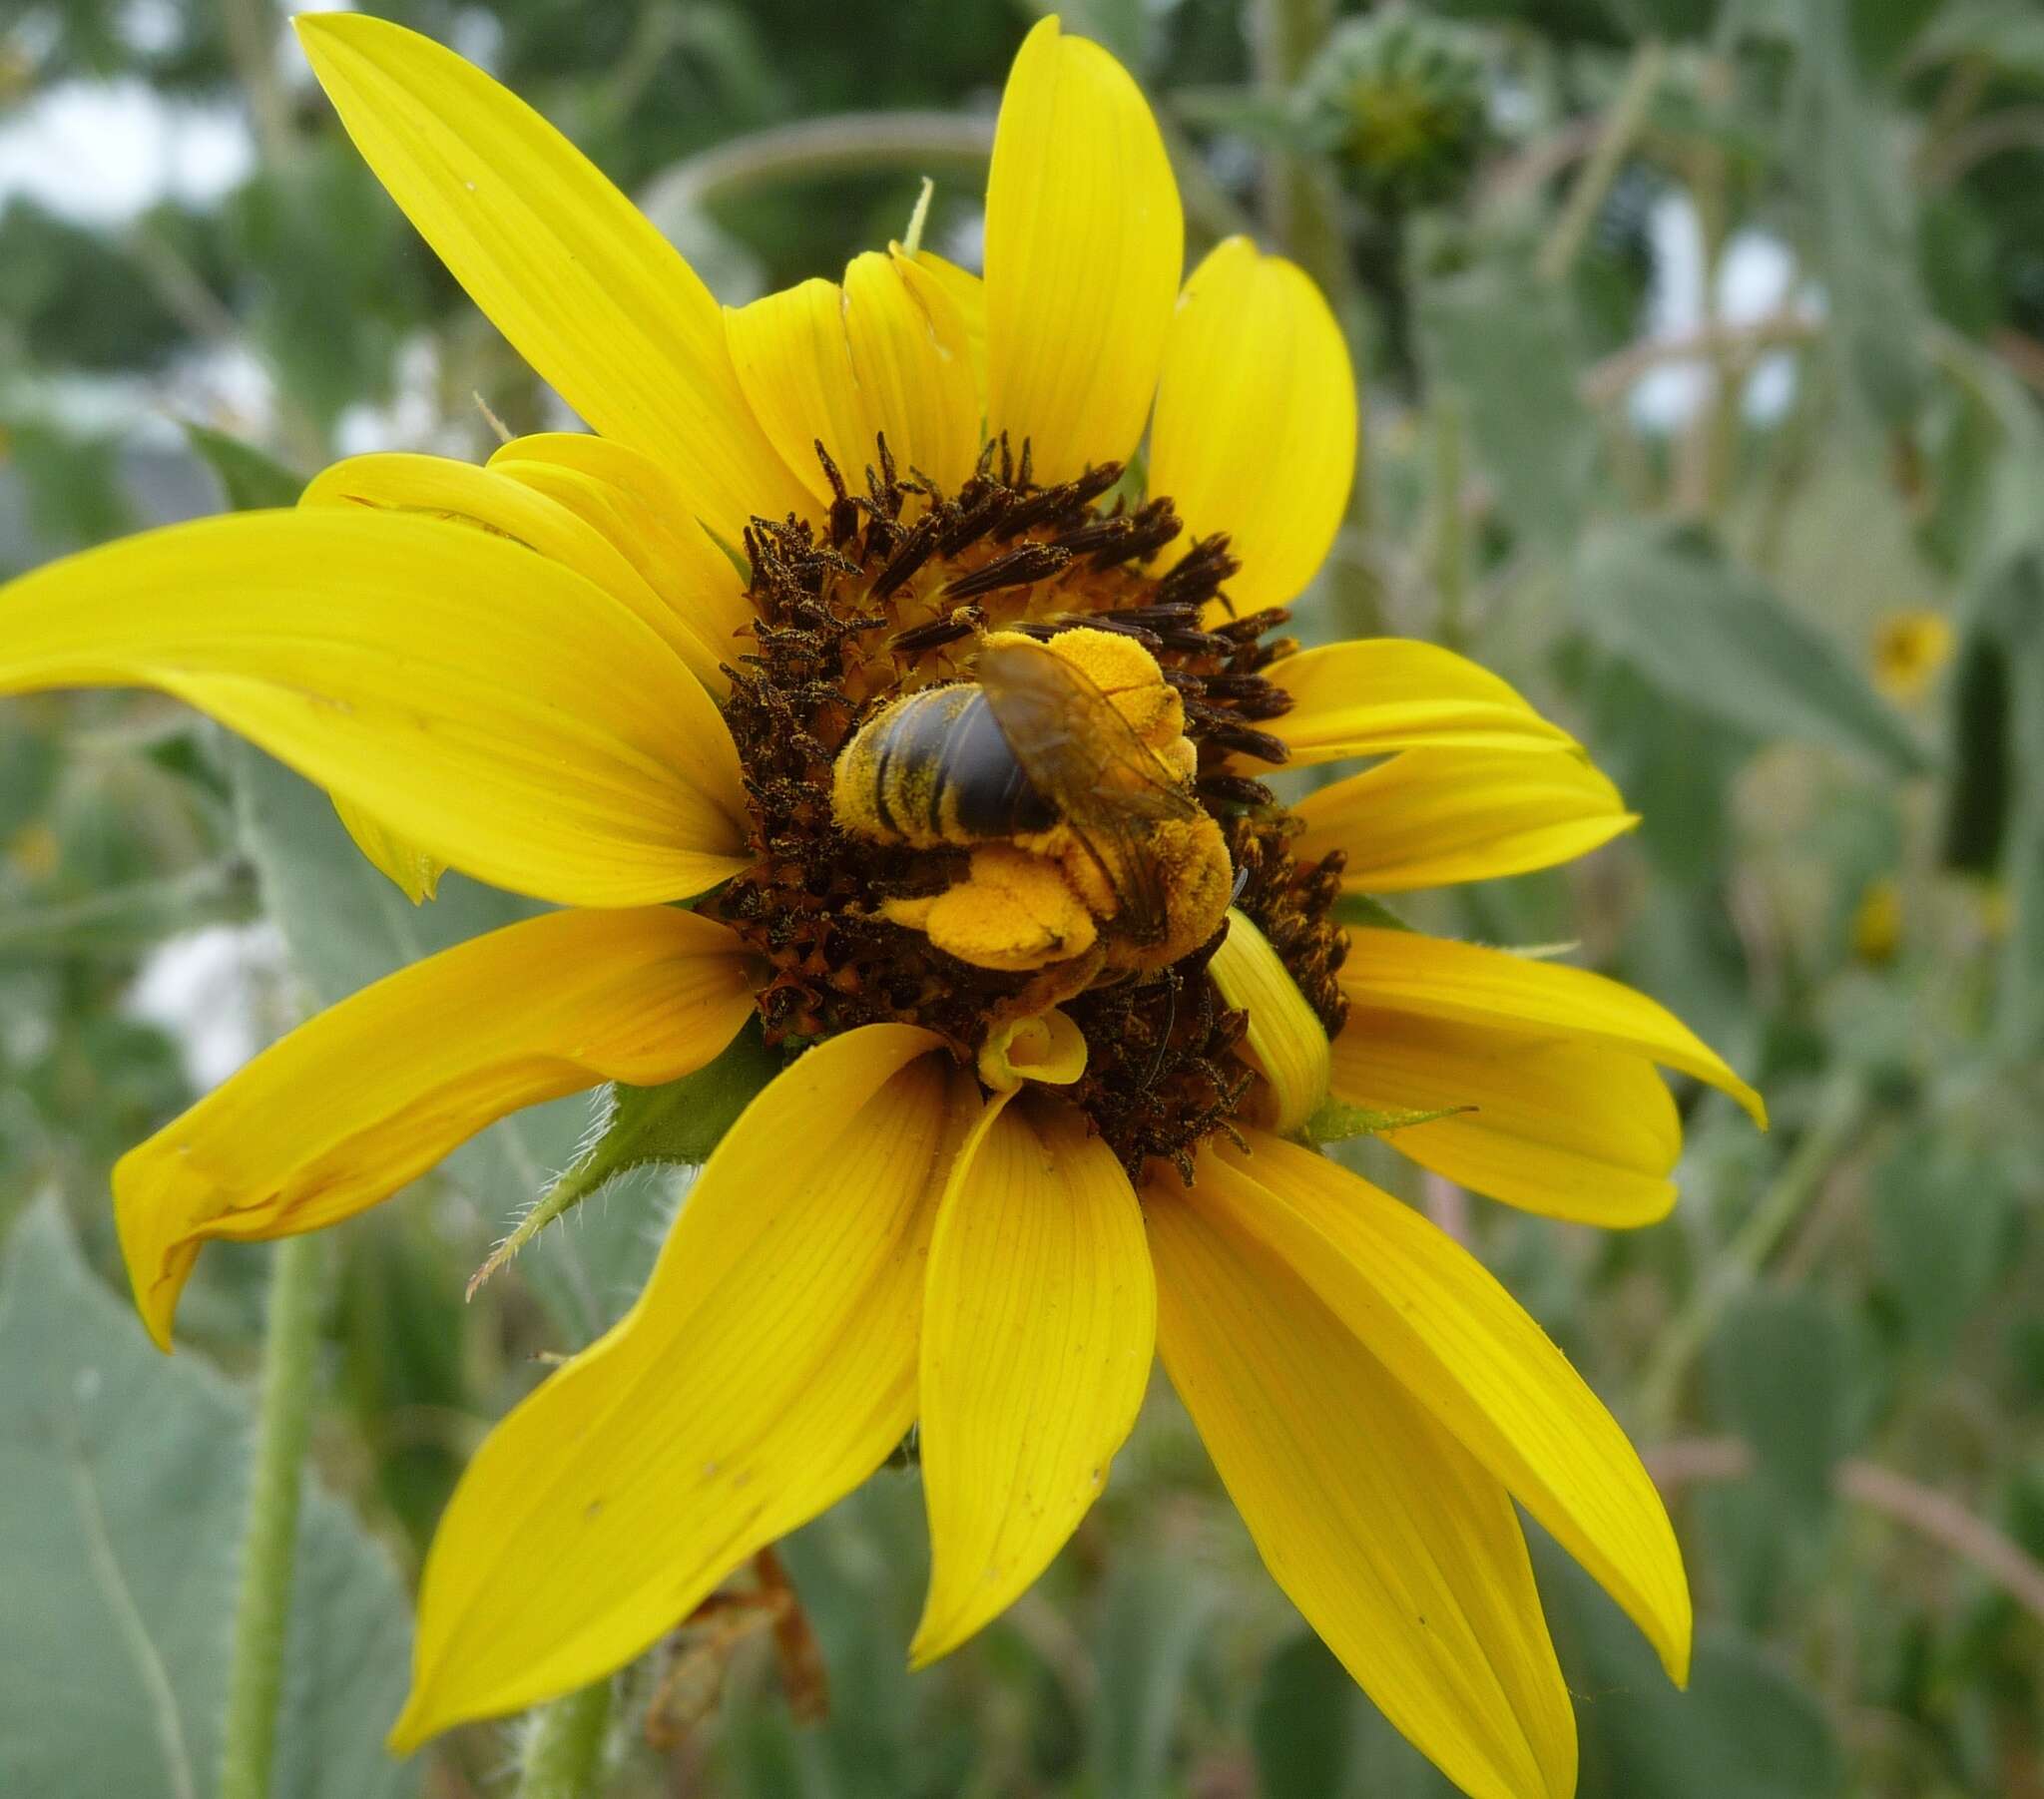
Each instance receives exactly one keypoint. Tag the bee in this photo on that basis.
(1062, 767)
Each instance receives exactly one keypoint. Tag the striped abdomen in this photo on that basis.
(934, 769)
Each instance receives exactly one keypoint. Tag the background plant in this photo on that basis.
(1703, 344)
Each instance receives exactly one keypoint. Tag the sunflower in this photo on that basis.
(615, 670)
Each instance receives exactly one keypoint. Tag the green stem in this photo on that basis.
(143, 912)
(848, 144)
(1622, 126)
(251, 31)
(262, 1610)
(564, 1753)
(1298, 200)
(1450, 565)
(1839, 1116)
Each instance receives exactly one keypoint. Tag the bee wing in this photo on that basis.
(1087, 760)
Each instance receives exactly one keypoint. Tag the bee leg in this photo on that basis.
(1060, 982)
(1014, 912)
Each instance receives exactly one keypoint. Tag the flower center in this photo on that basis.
(868, 813)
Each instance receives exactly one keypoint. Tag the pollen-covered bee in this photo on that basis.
(1064, 768)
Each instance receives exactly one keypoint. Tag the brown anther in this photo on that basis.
(1019, 568)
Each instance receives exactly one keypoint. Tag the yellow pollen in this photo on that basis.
(1014, 912)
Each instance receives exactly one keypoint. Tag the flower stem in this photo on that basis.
(564, 1753)
(1622, 128)
(1299, 201)
(1839, 1116)
(262, 1610)
(1450, 563)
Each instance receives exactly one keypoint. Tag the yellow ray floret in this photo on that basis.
(582, 284)
(1400, 1549)
(1084, 244)
(1040, 1306)
(376, 1091)
(1254, 432)
(492, 708)
(1437, 816)
(767, 1369)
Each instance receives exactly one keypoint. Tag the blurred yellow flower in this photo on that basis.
(1997, 912)
(1909, 647)
(1876, 928)
(990, 1190)
(32, 851)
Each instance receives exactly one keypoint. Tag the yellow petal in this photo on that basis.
(1560, 1126)
(1373, 695)
(641, 509)
(1039, 1324)
(488, 706)
(440, 487)
(1465, 982)
(1444, 1328)
(1254, 432)
(1401, 1550)
(1045, 1046)
(1084, 244)
(768, 1367)
(376, 1089)
(1433, 817)
(1286, 1038)
(585, 288)
(416, 874)
(845, 365)
(927, 273)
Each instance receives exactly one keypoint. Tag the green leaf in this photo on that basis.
(405, 1358)
(1301, 1730)
(1743, 1727)
(1942, 1212)
(1981, 793)
(1780, 1368)
(2011, 36)
(1272, 120)
(119, 920)
(127, 1480)
(250, 479)
(1362, 909)
(1504, 346)
(1675, 766)
(1316, 1736)
(1716, 637)
(859, 1573)
(673, 1125)
(1336, 1120)
(344, 925)
(681, 1123)
(1848, 157)
(1153, 1623)
(29, 767)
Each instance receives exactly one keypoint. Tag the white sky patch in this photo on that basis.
(153, 26)
(226, 386)
(409, 421)
(215, 991)
(1756, 280)
(413, 421)
(99, 153)
(964, 240)
(478, 36)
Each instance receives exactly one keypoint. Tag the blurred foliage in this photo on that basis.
(1703, 340)
(126, 1477)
